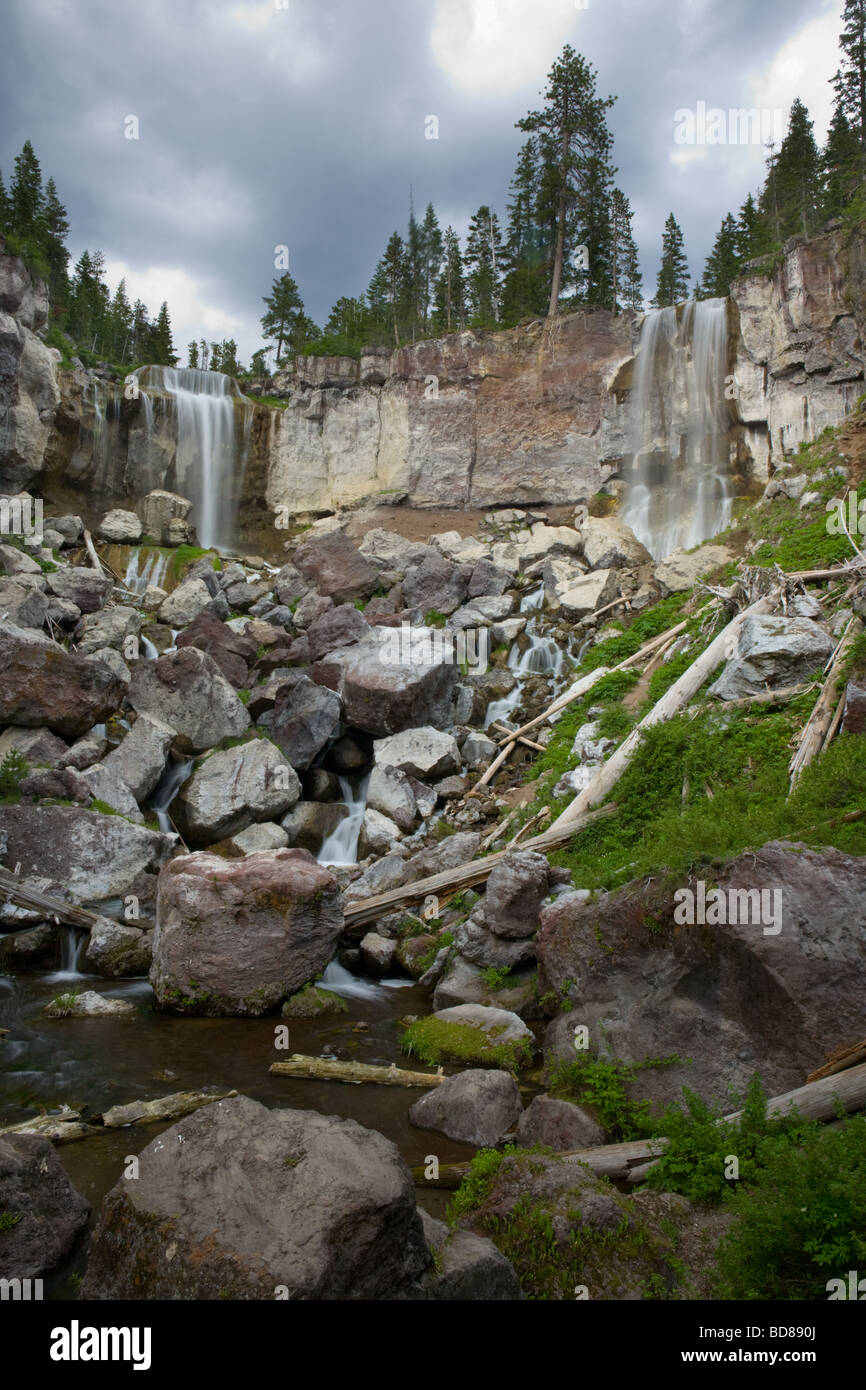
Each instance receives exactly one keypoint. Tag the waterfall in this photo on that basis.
(213, 421)
(341, 846)
(679, 491)
(144, 567)
(170, 783)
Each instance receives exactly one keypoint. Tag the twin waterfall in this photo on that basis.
(213, 423)
(679, 491)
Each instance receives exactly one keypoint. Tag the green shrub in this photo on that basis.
(600, 1083)
(13, 769)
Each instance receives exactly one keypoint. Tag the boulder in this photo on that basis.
(237, 936)
(187, 690)
(85, 752)
(771, 995)
(45, 686)
(87, 588)
(389, 791)
(338, 627)
(23, 607)
(88, 1005)
(682, 569)
(185, 603)
(468, 1267)
(378, 953)
(310, 823)
(479, 1106)
(265, 835)
(390, 551)
(610, 544)
(335, 567)
(328, 1212)
(423, 752)
(120, 528)
(233, 788)
(773, 651)
(116, 951)
(490, 952)
(38, 746)
(14, 561)
(516, 888)
(58, 784)
(304, 717)
(107, 786)
(436, 584)
(233, 652)
(494, 1028)
(289, 585)
(108, 628)
(158, 510)
(387, 685)
(548, 540)
(558, 1125)
(141, 757)
(378, 834)
(589, 593)
(83, 856)
(48, 1214)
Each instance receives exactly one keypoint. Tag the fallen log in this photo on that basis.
(173, 1107)
(353, 1073)
(19, 893)
(840, 1060)
(62, 1128)
(613, 1161)
(671, 703)
(817, 726)
(360, 910)
(763, 697)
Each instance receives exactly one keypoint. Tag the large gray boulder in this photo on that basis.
(85, 857)
(422, 753)
(87, 588)
(389, 684)
(158, 510)
(232, 789)
(479, 1106)
(185, 603)
(304, 717)
(773, 651)
(516, 888)
(120, 528)
(468, 1268)
(390, 792)
(187, 690)
(327, 1212)
(116, 951)
(139, 760)
(771, 993)
(238, 936)
(48, 1213)
(436, 584)
(333, 565)
(45, 686)
(110, 627)
(558, 1125)
(610, 544)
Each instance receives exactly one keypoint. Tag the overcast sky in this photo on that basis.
(302, 122)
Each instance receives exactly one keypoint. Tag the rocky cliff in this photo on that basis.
(534, 414)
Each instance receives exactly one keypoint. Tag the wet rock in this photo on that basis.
(86, 588)
(378, 953)
(45, 686)
(237, 936)
(187, 690)
(425, 753)
(338, 627)
(233, 788)
(106, 785)
(89, 1004)
(328, 1212)
(313, 1002)
(310, 823)
(265, 835)
(48, 1213)
(37, 945)
(321, 785)
(610, 544)
(347, 754)
(495, 1029)
(558, 1125)
(390, 792)
(772, 652)
(116, 952)
(480, 1106)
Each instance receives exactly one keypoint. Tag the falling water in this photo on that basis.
(140, 572)
(339, 980)
(170, 783)
(341, 846)
(214, 421)
(679, 491)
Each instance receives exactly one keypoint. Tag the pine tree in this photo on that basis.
(450, 291)
(203, 355)
(387, 292)
(625, 276)
(483, 262)
(796, 178)
(414, 272)
(850, 80)
(216, 357)
(284, 306)
(229, 357)
(192, 354)
(53, 233)
(723, 263)
(163, 348)
(5, 209)
(347, 327)
(432, 250)
(574, 148)
(590, 273)
(527, 253)
(119, 325)
(140, 331)
(26, 196)
(753, 234)
(89, 303)
(673, 280)
(841, 165)
(258, 362)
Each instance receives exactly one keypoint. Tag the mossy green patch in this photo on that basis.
(433, 1040)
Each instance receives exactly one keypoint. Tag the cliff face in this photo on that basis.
(535, 414)
(29, 393)
(799, 338)
(469, 420)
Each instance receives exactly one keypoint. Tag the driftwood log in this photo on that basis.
(55, 908)
(353, 1073)
(818, 725)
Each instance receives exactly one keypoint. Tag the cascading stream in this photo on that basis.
(213, 421)
(341, 846)
(679, 490)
